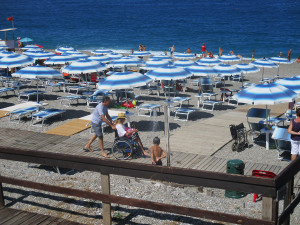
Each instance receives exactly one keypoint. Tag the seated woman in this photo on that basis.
(132, 133)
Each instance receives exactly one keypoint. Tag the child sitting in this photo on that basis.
(156, 152)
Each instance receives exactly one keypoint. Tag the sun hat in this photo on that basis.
(121, 116)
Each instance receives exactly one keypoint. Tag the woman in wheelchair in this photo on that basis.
(130, 133)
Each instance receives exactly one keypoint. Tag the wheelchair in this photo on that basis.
(239, 136)
(123, 148)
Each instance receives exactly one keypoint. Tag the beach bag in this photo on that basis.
(130, 105)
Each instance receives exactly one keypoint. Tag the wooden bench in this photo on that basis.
(14, 216)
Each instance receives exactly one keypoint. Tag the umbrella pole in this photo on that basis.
(37, 90)
(262, 75)
(166, 109)
(242, 80)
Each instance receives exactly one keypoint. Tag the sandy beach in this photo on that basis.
(88, 212)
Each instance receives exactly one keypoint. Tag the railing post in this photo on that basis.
(1, 196)
(288, 198)
(106, 209)
(269, 208)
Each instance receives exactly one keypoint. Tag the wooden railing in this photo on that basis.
(267, 187)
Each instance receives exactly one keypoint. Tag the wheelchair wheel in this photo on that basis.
(122, 149)
(234, 146)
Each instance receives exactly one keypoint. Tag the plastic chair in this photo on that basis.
(282, 140)
(258, 114)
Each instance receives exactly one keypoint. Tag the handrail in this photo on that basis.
(287, 173)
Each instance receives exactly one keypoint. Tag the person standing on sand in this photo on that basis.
(188, 50)
(166, 53)
(140, 47)
(289, 54)
(100, 115)
(144, 48)
(294, 130)
(253, 54)
(172, 50)
(280, 55)
(220, 51)
(156, 152)
(203, 49)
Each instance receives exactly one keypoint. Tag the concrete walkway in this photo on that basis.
(205, 137)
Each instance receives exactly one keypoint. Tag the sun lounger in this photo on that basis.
(76, 89)
(6, 90)
(45, 114)
(53, 85)
(148, 107)
(19, 113)
(205, 96)
(27, 94)
(181, 100)
(67, 100)
(97, 97)
(184, 111)
(210, 103)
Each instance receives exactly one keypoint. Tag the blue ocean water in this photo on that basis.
(266, 26)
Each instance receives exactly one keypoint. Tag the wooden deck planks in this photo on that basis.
(70, 128)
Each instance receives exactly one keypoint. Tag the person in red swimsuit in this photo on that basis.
(203, 48)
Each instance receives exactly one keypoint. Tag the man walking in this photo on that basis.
(100, 115)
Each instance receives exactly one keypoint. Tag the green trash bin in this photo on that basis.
(235, 166)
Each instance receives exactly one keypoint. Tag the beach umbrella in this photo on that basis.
(61, 59)
(39, 54)
(3, 46)
(229, 58)
(208, 61)
(169, 73)
(201, 70)
(114, 56)
(141, 53)
(183, 56)
(6, 53)
(101, 51)
(35, 50)
(127, 61)
(80, 56)
(26, 39)
(226, 70)
(38, 72)
(263, 63)
(292, 83)
(84, 66)
(100, 58)
(15, 60)
(279, 60)
(154, 64)
(184, 63)
(64, 49)
(27, 47)
(160, 57)
(246, 68)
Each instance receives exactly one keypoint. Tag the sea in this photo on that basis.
(268, 26)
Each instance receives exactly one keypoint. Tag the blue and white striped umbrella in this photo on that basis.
(184, 63)
(114, 56)
(123, 80)
(229, 58)
(37, 71)
(84, 66)
(263, 63)
(160, 57)
(6, 53)
(27, 47)
(61, 59)
(101, 51)
(3, 46)
(279, 60)
(292, 83)
(183, 56)
(169, 73)
(127, 61)
(64, 49)
(154, 64)
(15, 60)
(227, 70)
(101, 58)
(265, 94)
(141, 53)
(209, 61)
(247, 68)
(35, 50)
(200, 70)
(39, 54)
(80, 56)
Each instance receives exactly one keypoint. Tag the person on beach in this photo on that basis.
(239, 55)
(220, 51)
(20, 44)
(188, 50)
(131, 133)
(166, 53)
(156, 152)
(144, 48)
(100, 115)
(294, 130)
(280, 55)
(203, 49)
(289, 54)
(140, 47)
(211, 55)
(172, 50)
(298, 60)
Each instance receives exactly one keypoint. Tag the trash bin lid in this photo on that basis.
(236, 163)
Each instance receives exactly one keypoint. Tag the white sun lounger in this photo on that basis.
(45, 114)
(67, 100)
(27, 94)
(181, 100)
(19, 113)
(6, 90)
(184, 111)
(148, 107)
(76, 89)
(210, 103)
